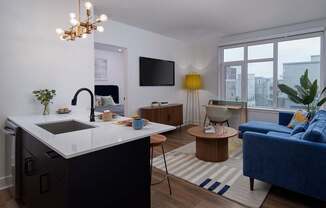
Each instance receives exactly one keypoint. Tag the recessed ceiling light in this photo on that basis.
(120, 50)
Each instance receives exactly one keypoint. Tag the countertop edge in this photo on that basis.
(70, 156)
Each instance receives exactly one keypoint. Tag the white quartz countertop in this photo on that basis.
(73, 144)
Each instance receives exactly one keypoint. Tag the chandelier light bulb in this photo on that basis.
(59, 31)
(88, 5)
(103, 18)
(79, 26)
(74, 22)
(100, 28)
(72, 15)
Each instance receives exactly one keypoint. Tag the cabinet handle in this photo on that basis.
(44, 183)
(28, 166)
(52, 154)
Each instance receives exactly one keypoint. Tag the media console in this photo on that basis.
(170, 114)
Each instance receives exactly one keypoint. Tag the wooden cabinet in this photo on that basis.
(171, 114)
(118, 176)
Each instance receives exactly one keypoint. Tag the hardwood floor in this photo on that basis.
(186, 195)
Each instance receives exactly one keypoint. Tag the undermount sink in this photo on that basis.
(64, 126)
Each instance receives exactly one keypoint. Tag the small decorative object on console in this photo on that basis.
(45, 96)
(155, 104)
(209, 130)
(164, 103)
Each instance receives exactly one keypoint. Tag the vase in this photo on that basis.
(46, 110)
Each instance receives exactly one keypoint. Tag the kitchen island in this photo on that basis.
(66, 161)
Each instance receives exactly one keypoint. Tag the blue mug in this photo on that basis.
(138, 123)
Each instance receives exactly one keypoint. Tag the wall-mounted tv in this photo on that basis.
(156, 72)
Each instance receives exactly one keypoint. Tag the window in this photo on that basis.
(260, 51)
(260, 84)
(252, 71)
(233, 82)
(234, 54)
(294, 57)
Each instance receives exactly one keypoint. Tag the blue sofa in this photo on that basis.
(293, 160)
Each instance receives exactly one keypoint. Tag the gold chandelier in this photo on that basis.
(82, 28)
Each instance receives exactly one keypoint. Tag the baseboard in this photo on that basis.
(5, 182)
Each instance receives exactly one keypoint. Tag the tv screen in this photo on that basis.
(155, 72)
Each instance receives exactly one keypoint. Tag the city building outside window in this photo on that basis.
(252, 71)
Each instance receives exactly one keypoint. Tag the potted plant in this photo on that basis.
(45, 96)
(306, 94)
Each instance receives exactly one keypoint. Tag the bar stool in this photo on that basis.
(158, 140)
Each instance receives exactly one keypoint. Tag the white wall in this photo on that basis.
(138, 43)
(201, 57)
(32, 57)
(116, 70)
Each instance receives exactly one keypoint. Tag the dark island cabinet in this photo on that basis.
(114, 177)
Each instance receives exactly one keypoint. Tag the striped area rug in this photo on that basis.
(223, 178)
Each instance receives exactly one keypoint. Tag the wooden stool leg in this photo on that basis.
(166, 170)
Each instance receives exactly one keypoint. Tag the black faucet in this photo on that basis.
(74, 102)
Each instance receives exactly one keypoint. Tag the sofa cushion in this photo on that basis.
(278, 134)
(298, 135)
(263, 127)
(300, 128)
(316, 132)
(320, 115)
(285, 135)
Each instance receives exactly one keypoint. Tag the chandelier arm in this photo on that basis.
(82, 28)
(79, 10)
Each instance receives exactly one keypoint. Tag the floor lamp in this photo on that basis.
(193, 83)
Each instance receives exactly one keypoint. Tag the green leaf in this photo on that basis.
(292, 94)
(302, 92)
(322, 92)
(312, 94)
(287, 90)
(295, 99)
(321, 102)
(304, 80)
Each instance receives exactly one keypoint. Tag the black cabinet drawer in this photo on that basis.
(45, 158)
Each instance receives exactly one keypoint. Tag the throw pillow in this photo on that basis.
(300, 128)
(299, 117)
(98, 101)
(107, 101)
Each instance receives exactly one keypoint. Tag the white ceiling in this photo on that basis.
(190, 19)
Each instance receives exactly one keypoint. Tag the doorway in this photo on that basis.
(110, 78)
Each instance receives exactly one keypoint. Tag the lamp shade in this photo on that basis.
(193, 82)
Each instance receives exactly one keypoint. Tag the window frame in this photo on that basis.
(274, 59)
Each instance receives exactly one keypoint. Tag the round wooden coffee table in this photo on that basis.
(212, 147)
